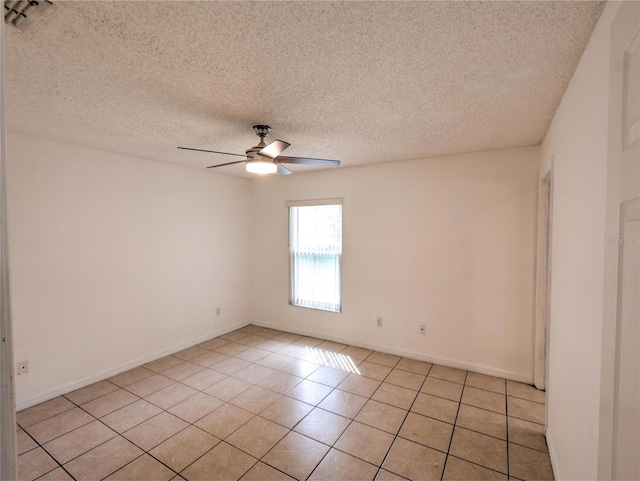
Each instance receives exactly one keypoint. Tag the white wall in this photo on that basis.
(408, 258)
(117, 259)
(577, 141)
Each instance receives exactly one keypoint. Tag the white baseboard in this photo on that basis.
(552, 455)
(85, 381)
(490, 371)
(99, 376)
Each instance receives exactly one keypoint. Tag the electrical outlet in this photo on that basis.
(23, 367)
(380, 321)
(217, 311)
(423, 329)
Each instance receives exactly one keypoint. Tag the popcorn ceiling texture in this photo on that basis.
(362, 82)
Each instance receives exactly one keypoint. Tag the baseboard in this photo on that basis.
(552, 455)
(490, 371)
(99, 376)
(85, 381)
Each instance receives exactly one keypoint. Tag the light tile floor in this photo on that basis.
(260, 404)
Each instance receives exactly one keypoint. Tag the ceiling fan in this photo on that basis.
(266, 159)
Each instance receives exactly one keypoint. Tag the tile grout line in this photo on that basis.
(38, 445)
(290, 429)
(370, 398)
(404, 420)
(332, 446)
(124, 465)
(408, 411)
(222, 440)
(145, 451)
(455, 424)
(114, 437)
(459, 403)
(285, 345)
(258, 460)
(69, 432)
(352, 420)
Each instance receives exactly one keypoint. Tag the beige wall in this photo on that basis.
(576, 144)
(116, 260)
(445, 242)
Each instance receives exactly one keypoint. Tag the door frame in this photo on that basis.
(8, 460)
(543, 280)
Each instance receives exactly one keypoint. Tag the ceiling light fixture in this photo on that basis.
(22, 13)
(261, 166)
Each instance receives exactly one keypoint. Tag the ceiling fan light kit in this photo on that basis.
(259, 166)
(266, 159)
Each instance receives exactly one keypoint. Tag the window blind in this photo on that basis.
(315, 253)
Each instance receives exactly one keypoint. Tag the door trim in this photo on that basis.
(8, 461)
(543, 280)
(625, 207)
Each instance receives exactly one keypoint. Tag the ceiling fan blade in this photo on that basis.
(282, 170)
(274, 149)
(228, 163)
(211, 151)
(307, 161)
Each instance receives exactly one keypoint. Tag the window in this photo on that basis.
(315, 254)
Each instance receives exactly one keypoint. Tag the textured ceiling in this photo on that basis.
(361, 82)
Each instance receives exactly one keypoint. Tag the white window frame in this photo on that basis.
(313, 203)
